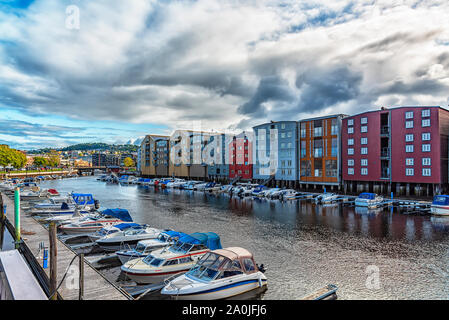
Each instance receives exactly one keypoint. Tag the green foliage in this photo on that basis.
(11, 157)
(40, 162)
(92, 146)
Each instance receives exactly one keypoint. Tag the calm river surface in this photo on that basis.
(303, 246)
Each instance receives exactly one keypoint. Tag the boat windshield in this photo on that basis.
(103, 231)
(140, 247)
(212, 266)
(183, 247)
(152, 261)
(132, 232)
(162, 237)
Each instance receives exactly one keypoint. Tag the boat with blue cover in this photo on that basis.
(219, 274)
(144, 247)
(370, 200)
(175, 259)
(89, 224)
(440, 205)
(79, 203)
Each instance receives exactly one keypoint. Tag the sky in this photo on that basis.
(112, 71)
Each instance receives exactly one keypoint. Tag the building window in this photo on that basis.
(409, 124)
(283, 135)
(426, 148)
(351, 151)
(409, 148)
(364, 171)
(303, 133)
(364, 129)
(350, 171)
(425, 113)
(409, 172)
(350, 130)
(364, 120)
(426, 136)
(426, 161)
(425, 122)
(364, 151)
(409, 137)
(364, 140)
(350, 142)
(409, 115)
(350, 122)
(364, 162)
(426, 172)
(409, 161)
(350, 162)
(282, 125)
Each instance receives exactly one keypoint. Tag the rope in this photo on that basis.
(65, 274)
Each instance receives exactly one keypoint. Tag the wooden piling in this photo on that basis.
(81, 277)
(53, 260)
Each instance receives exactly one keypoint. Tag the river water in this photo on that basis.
(304, 246)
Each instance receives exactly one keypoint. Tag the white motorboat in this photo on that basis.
(327, 197)
(273, 193)
(92, 223)
(145, 247)
(83, 202)
(128, 237)
(288, 194)
(440, 205)
(175, 259)
(219, 274)
(370, 200)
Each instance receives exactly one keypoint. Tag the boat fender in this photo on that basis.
(97, 204)
(260, 281)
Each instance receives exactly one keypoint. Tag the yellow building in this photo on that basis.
(154, 158)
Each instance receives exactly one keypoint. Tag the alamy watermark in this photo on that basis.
(72, 21)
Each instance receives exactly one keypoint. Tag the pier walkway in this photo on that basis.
(96, 287)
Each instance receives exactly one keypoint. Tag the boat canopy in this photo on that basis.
(83, 198)
(441, 200)
(118, 213)
(234, 253)
(367, 195)
(123, 226)
(174, 234)
(210, 239)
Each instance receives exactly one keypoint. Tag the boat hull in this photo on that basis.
(153, 277)
(439, 210)
(225, 290)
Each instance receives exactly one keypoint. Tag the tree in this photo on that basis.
(53, 160)
(40, 161)
(11, 157)
(128, 162)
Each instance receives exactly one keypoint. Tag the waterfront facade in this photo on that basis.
(154, 158)
(402, 150)
(275, 151)
(240, 151)
(319, 150)
(190, 151)
(218, 167)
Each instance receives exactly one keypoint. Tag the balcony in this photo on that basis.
(385, 173)
(385, 130)
(385, 152)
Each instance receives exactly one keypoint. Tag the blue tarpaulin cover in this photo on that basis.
(83, 198)
(123, 226)
(441, 200)
(366, 195)
(118, 213)
(174, 234)
(209, 239)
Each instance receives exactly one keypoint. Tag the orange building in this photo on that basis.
(319, 150)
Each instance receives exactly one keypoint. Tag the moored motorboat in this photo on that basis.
(219, 274)
(440, 205)
(128, 237)
(175, 259)
(90, 224)
(144, 247)
(370, 200)
(327, 197)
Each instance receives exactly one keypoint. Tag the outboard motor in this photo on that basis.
(64, 206)
(261, 268)
(97, 204)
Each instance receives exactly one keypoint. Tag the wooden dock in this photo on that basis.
(96, 286)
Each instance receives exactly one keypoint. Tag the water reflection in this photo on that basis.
(304, 245)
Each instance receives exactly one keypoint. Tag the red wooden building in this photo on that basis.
(240, 157)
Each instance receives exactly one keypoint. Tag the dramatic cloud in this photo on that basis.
(226, 63)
